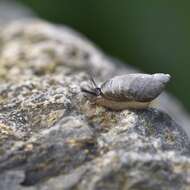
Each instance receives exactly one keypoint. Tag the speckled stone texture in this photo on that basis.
(53, 138)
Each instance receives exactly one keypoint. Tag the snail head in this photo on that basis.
(92, 88)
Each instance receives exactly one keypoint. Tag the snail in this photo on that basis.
(131, 91)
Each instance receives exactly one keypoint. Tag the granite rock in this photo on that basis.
(11, 10)
(52, 137)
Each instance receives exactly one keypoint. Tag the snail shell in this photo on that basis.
(132, 90)
(134, 87)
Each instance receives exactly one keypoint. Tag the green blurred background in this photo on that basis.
(152, 35)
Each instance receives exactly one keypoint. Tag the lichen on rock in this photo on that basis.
(52, 137)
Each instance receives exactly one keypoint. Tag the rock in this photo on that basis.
(52, 137)
(11, 10)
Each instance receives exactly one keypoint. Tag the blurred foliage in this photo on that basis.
(152, 35)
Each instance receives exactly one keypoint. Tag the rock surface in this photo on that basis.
(52, 137)
(11, 10)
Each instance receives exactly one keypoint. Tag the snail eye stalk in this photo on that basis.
(89, 92)
(93, 82)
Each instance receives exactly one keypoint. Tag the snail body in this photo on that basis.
(134, 91)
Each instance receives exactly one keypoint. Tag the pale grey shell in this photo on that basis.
(135, 87)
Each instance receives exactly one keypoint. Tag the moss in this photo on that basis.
(36, 38)
(5, 131)
(148, 125)
(3, 99)
(50, 52)
(181, 167)
(45, 118)
(169, 137)
(47, 69)
(2, 151)
(100, 115)
(53, 117)
(3, 72)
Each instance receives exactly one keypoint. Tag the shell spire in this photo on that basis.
(164, 78)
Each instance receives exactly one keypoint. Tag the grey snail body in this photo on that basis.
(129, 91)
